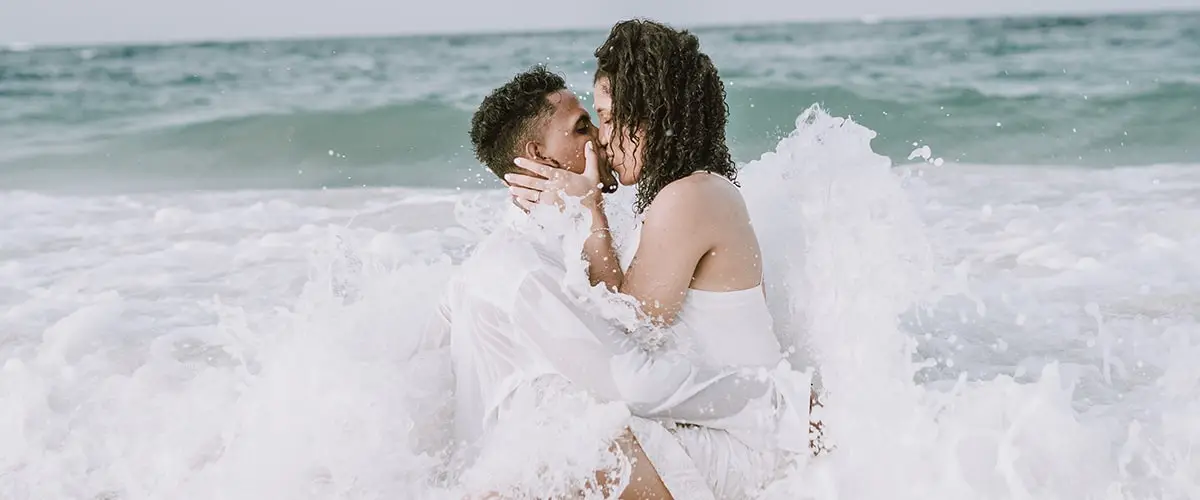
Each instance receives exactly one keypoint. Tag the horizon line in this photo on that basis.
(864, 19)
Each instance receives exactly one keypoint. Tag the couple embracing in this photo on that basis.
(718, 419)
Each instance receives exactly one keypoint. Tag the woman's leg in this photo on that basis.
(644, 482)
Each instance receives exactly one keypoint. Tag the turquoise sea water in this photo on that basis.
(1078, 91)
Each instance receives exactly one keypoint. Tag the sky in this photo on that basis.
(43, 22)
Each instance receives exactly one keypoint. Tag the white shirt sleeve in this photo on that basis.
(436, 331)
(603, 359)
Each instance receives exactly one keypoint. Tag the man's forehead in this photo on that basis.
(565, 103)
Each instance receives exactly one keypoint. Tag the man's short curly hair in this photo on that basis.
(508, 116)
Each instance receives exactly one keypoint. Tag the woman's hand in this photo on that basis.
(529, 191)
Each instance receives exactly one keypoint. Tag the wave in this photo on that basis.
(424, 143)
(1131, 127)
(412, 132)
(18, 47)
(418, 143)
(250, 345)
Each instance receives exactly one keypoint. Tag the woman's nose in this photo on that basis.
(601, 134)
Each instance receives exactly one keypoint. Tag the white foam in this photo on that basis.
(262, 344)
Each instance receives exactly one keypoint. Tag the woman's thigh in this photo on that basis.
(733, 469)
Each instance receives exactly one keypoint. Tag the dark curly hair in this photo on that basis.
(509, 115)
(663, 85)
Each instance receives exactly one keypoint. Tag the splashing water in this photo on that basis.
(866, 260)
(263, 344)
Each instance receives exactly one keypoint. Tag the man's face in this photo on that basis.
(565, 132)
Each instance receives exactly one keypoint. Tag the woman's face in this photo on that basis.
(623, 156)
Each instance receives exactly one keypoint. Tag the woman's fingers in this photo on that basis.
(538, 168)
(525, 193)
(525, 181)
(517, 203)
(525, 205)
(591, 168)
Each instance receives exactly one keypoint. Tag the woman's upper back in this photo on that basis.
(715, 214)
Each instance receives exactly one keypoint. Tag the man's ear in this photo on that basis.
(533, 150)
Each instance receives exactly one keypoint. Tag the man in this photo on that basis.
(511, 325)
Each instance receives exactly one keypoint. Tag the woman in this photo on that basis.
(696, 268)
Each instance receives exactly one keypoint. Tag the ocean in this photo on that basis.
(214, 257)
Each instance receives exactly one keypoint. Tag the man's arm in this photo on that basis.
(436, 331)
(605, 361)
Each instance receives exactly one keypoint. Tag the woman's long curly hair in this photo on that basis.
(661, 84)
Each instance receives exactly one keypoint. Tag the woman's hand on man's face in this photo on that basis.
(553, 183)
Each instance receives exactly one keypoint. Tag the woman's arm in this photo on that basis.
(674, 238)
(676, 233)
(604, 266)
(673, 241)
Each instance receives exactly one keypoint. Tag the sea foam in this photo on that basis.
(265, 344)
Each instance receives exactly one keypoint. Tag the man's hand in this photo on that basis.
(529, 191)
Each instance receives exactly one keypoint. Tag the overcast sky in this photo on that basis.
(81, 21)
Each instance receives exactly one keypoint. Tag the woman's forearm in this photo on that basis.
(603, 264)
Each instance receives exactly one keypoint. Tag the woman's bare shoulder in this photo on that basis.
(695, 197)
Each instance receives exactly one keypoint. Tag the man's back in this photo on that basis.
(491, 358)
